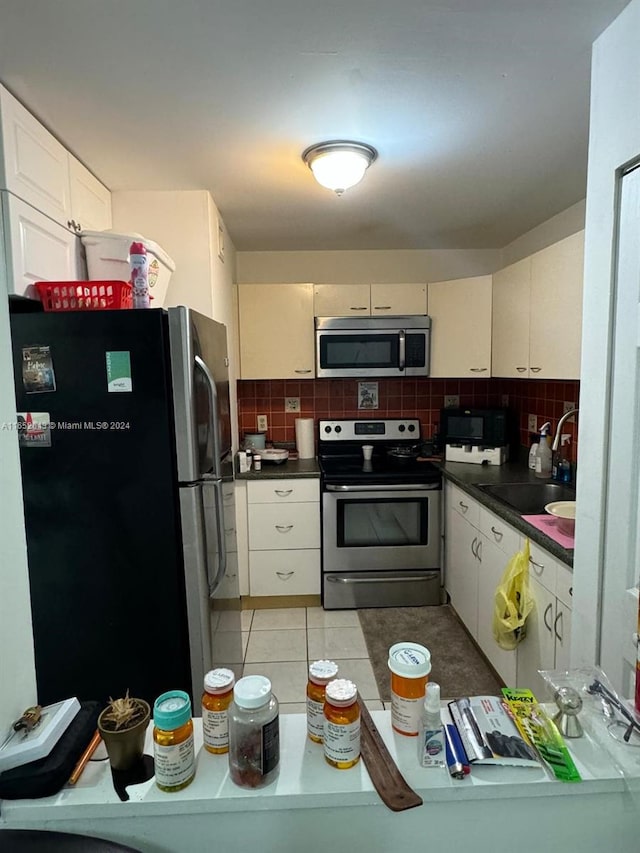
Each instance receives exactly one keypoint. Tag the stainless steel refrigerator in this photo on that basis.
(125, 439)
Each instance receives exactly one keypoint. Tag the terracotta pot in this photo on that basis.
(125, 747)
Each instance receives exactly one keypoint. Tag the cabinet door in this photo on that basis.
(492, 562)
(341, 300)
(90, 200)
(34, 163)
(537, 650)
(399, 299)
(556, 309)
(38, 249)
(510, 325)
(562, 633)
(460, 312)
(276, 331)
(461, 571)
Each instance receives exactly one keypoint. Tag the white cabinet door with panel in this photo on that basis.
(341, 300)
(537, 650)
(460, 312)
(37, 248)
(510, 320)
(461, 577)
(399, 299)
(90, 200)
(276, 331)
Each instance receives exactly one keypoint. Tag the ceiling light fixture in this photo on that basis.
(339, 165)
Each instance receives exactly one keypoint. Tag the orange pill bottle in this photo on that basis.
(321, 672)
(341, 724)
(410, 665)
(217, 696)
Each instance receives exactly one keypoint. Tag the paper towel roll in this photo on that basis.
(305, 438)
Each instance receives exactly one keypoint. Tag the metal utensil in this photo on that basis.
(569, 703)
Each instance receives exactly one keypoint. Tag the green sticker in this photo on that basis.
(119, 371)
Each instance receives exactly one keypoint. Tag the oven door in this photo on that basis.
(381, 545)
(371, 352)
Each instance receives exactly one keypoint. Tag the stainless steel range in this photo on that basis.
(381, 536)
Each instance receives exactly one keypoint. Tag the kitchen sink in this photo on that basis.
(528, 498)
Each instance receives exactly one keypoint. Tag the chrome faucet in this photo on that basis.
(556, 440)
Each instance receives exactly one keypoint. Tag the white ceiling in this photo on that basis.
(478, 108)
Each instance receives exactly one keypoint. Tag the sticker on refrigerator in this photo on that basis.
(34, 429)
(119, 371)
(37, 370)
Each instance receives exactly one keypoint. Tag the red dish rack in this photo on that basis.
(84, 295)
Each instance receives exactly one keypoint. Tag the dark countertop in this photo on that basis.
(467, 477)
(292, 468)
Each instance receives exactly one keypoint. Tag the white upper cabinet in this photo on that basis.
(353, 300)
(90, 200)
(510, 332)
(34, 163)
(460, 312)
(276, 331)
(556, 309)
(36, 168)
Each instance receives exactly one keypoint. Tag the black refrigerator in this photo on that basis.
(124, 433)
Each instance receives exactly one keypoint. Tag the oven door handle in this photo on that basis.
(390, 487)
(384, 578)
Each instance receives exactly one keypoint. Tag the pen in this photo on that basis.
(86, 755)
(457, 761)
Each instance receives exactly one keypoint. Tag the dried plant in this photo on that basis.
(123, 713)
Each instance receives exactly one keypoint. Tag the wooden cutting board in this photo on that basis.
(387, 779)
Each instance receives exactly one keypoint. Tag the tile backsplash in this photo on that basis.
(419, 398)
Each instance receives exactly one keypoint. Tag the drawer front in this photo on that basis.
(497, 530)
(543, 567)
(283, 491)
(284, 527)
(463, 504)
(564, 585)
(284, 572)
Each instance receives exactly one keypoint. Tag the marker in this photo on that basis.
(457, 761)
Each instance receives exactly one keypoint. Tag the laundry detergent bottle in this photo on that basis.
(544, 454)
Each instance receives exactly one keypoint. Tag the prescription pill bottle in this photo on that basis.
(173, 750)
(341, 724)
(217, 696)
(410, 665)
(321, 672)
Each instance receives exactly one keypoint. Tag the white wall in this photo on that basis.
(17, 670)
(562, 225)
(614, 141)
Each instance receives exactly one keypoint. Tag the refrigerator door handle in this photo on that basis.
(215, 414)
(222, 550)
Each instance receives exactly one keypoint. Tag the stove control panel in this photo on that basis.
(369, 430)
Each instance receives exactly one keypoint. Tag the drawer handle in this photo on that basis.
(284, 576)
(473, 544)
(497, 533)
(465, 507)
(571, 591)
(536, 566)
(284, 528)
(382, 307)
(479, 550)
(521, 369)
(478, 369)
(535, 369)
(546, 624)
(283, 493)
(359, 308)
(555, 625)
(305, 370)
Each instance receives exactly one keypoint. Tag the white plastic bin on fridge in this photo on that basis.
(108, 258)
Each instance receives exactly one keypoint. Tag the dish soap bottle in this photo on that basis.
(543, 454)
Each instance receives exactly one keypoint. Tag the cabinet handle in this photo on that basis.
(283, 493)
(229, 530)
(571, 591)
(521, 369)
(535, 369)
(285, 575)
(479, 550)
(71, 224)
(555, 625)
(382, 307)
(497, 533)
(358, 308)
(78, 227)
(546, 624)
(478, 369)
(306, 370)
(463, 506)
(473, 550)
(284, 528)
(536, 566)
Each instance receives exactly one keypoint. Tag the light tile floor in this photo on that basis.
(282, 643)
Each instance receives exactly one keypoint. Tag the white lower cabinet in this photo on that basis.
(284, 537)
(478, 547)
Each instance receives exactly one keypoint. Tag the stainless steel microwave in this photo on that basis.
(372, 346)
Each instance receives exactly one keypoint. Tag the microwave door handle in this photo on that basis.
(402, 349)
(215, 419)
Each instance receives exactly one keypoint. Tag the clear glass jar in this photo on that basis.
(173, 751)
(217, 696)
(320, 674)
(341, 724)
(254, 733)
